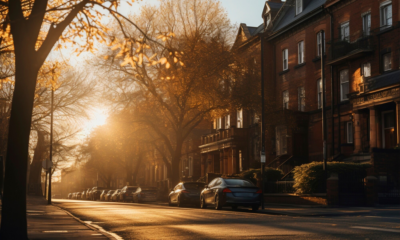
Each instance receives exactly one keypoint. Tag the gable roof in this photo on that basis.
(245, 33)
(287, 14)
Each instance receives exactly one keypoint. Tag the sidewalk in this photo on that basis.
(319, 211)
(50, 222)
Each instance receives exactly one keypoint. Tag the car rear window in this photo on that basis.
(238, 182)
(132, 188)
(194, 186)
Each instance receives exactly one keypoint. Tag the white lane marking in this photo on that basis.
(377, 229)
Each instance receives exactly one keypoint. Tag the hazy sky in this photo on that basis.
(240, 11)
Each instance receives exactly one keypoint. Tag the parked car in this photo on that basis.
(69, 196)
(115, 195)
(95, 193)
(103, 194)
(107, 197)
(145, 194)
(73, 195)
(83, 195)
(87, 194)
(222, 192)
(126, 193)
(78, 195)
(185, 193)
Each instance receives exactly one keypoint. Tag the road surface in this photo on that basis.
(152, 221)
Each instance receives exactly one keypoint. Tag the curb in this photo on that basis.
(91, 226)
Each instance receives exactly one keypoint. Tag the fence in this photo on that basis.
(279, 187)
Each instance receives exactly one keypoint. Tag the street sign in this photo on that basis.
(46, 164)
(262, 157)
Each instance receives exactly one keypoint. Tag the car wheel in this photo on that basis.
(234, 207)
(218, 205)
(255, 208)
(169, 202)
(202, 203)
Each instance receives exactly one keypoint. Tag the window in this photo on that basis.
(240, 118)
(299, 6)
(344, 84)
(285, 56)
(190, 166)
(268, 20)
(227, 121)
(349, 130)
(366, 69)
(286, 99)
(219, 123)
(345, 31)
(387, 62)
(319, 93)
(320, 40)
(302, 99)
(240, 161)
(386, 14)
(301, 52)
(281, 140)
(366, 18)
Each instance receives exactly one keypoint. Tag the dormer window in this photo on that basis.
(299, 6)
(268, 20)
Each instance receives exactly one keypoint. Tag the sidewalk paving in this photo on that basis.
(50, 222)
(317, 211)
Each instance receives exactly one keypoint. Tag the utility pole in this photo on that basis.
(262, 154)
(324, 128)
(51, 142)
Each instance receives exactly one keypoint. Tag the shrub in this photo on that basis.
(309, 178)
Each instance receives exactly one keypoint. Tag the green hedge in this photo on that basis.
(309, 178)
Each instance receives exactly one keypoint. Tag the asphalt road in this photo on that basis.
(148, 221)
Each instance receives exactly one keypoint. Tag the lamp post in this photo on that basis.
(51, 142)
(324, 128)
(262, 154)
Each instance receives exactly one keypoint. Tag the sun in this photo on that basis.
(98, 117)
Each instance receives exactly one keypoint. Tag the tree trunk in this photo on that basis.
(13, 216)
(35, 171)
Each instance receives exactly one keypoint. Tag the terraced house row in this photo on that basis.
(359, 43)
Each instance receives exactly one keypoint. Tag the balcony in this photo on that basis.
(356, 46)
(223, 134)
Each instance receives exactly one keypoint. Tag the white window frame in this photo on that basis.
(365, 66)
(349, 132)
(300, 47)
(285, 59)
(320, 36)
(319, 93)
(299, 6)
(366, 20)
(285, 96)
(240, 118)
(343, 95)
(384, 61)
(227, 121)
(385, 20)
(219, 123)
(302, 99)
(343, 35)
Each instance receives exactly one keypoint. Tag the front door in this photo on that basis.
(388, 130)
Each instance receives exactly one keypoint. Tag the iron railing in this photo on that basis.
(351, 44)
(279, 187)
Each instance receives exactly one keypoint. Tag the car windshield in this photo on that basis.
(194, 186)
(238, 182)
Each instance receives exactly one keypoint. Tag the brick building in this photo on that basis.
(362, 80)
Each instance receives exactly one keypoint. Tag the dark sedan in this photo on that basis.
(145, 194)
(126, 193)
(222, 192)
(185, 193)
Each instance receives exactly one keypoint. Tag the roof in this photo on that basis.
(274, 5)
(384, 80)
(287, 15)
(245, 33)
(256, 30)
